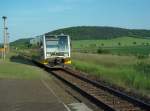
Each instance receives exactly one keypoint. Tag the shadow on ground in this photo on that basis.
(21, 60)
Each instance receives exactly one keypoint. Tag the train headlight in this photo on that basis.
(67, 61)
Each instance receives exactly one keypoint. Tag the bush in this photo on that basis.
(147, 44)
(102, 51)
(119, 43)
(141, 56)
(134, 43)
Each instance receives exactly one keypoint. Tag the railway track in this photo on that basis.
(103, 96)
(99, 95)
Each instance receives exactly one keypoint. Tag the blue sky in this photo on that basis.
(27, 18)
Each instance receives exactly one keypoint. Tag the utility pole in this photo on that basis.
(6, 40)
(8, 47)
(5, 36)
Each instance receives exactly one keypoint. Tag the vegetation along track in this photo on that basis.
(103, 96)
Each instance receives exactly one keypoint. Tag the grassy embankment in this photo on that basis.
(124, 71)
(130, 72)
(17, 68)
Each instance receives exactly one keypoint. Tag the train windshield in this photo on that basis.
(57, 45)
(63, 43)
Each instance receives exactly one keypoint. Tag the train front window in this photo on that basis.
(63, 43)
(52, 45)
(57, 46)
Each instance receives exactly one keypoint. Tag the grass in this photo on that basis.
(121, 46)
(124, 41)
(122, 71)
(19, 69)
(129, 50)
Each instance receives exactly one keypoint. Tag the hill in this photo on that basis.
(98, 32)
(91, 33)
(21, 43)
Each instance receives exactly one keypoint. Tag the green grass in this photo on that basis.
(121, 46)
(124, 41)
(11, 70)
(129, 50)
(122, 71)
(19, 69)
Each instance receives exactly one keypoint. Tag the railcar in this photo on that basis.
(53, 50)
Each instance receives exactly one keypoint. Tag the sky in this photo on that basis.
(29, 18)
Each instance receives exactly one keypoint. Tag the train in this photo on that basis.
(53, 50)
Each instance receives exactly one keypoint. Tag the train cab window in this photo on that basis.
(52, 45)
(63, 43)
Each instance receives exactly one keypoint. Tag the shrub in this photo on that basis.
(134, 43)
(147, 43)
(142, 56)
(119, 43)
(102, 51)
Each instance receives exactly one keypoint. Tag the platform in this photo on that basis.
(28, 95)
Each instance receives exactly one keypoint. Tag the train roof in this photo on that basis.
(55, 34)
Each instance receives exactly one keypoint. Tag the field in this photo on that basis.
(123, 62)
(121, 46)
(17, 68)
(122, 41)
(128, 72)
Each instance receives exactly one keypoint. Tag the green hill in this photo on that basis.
(91, 33)
(97, 32)
(21, 43)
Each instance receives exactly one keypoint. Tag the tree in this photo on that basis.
(147, 43)
(119, 43)
(134, 43)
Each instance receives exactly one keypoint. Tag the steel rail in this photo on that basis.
(133, 100)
